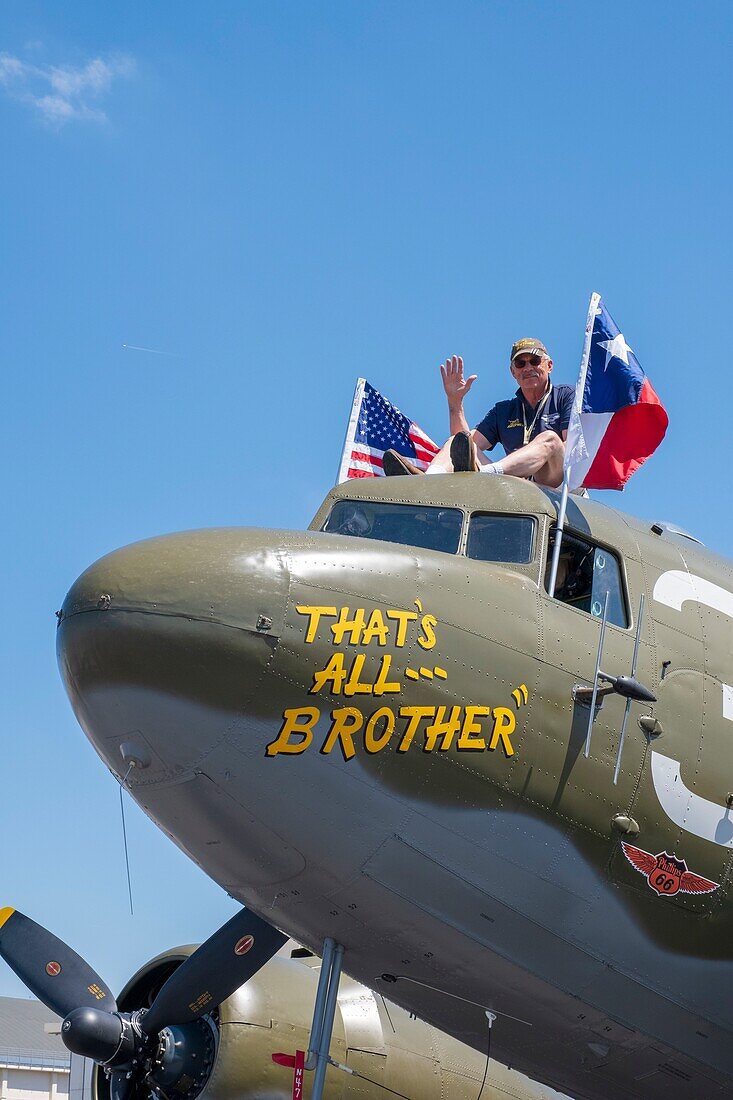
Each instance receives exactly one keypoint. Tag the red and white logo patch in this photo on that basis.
(53, 969)
(244, 945)
(667, 875)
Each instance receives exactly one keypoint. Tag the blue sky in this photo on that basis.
(281, 197)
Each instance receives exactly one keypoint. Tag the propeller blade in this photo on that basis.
(52, 971)
(120, 1085)
(219, 966)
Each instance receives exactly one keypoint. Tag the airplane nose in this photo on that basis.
(162, 643)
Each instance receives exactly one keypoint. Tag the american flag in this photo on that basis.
(376, 426)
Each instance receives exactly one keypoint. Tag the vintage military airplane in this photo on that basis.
(385, 731)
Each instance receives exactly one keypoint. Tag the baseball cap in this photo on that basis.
(527, 346)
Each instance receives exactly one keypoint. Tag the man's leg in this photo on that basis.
(443, 464)
(541, 459)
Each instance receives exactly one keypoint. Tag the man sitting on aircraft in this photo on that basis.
(531, 426)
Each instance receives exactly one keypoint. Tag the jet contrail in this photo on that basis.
(152, 351)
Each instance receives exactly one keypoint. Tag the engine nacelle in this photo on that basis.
(227, 1055)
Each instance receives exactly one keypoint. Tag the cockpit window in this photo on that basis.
(408, 524)
(501, 538)
(585, 574)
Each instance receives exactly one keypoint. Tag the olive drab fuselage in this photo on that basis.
(385, 743)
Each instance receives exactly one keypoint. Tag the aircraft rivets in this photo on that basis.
(264, 622)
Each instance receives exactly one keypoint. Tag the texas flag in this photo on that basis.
(617, 420)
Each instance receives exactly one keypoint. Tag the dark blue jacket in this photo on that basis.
(504, 424)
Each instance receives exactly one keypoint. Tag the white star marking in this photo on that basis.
(616, 349)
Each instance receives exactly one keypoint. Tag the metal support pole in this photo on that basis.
(558, 533)
(320, 1004)
(627, 708)
(319, 1077)
(351, 429)
(592, 715)
(575, 447)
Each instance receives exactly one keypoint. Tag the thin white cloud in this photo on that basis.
(62, 93)
(11, 68)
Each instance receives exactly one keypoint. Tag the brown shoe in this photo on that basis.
(463, 454)
(395, 465)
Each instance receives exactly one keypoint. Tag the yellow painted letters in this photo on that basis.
(442, 730)
(427, 638)
(334, 674)
(403, 618)
(470, 726)
(345, 723)
(314, 614)
(504, 726)
(300, 720)
(344, 625)
(377, 628)
(353, 685)
(382, 686)
(372, 743)
(415, 714)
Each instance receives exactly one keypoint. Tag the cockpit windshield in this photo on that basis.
(501, 538)
(430, 528)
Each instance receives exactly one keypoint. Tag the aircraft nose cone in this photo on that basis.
(219, 574)
(162, 643)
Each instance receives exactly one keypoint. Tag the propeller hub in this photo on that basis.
(185, 1058)
(93, 1033)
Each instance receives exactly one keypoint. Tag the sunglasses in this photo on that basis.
(528, 360)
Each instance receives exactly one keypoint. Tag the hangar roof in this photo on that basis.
(22, 1035)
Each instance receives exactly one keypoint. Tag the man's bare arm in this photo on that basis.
(456, 387)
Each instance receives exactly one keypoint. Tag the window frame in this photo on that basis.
(506, 515)
(590, 540)
(402, 504)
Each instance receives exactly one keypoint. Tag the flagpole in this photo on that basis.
(577, 409)
(559, 530)
(350, 430)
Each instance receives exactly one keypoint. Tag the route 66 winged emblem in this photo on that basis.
(667, 875)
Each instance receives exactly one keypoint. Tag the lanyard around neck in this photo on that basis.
(528, 430)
